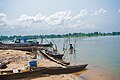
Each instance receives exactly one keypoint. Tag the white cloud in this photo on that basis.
(25, 17)
(60, 22)
(63, 18)
(59, 18)
(3, 19)
(82, 13)
(119, 10)
(100, 11)
(38, 18)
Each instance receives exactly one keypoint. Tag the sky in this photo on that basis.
(36, 17)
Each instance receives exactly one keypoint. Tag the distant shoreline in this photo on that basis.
(92, 34)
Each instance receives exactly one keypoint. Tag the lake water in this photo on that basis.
(102, 52)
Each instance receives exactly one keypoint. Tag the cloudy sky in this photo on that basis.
(27, 17)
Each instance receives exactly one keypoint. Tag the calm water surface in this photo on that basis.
(102, 52)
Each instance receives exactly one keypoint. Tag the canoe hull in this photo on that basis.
(22, 75)
(56, 55)
(67, 70)
(23, 47)
(17, 48)
(43, 71)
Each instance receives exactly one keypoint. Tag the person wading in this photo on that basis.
(71, 49)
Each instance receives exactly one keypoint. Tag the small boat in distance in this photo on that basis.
(24, 46)
(25, 42)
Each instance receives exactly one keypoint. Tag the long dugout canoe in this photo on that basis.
(63, 70)
(43, 71)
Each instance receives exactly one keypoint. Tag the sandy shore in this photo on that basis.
(55, 77)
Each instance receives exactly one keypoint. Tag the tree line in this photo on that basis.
(60, 35)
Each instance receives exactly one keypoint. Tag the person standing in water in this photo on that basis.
(71, 49)
(71, 46)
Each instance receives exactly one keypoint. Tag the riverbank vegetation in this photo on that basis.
(2, 37)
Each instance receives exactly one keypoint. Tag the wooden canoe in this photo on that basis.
(54, 54)
(18, 48)
(65, 70)
(28, 74)
(43, 71)
(25, 45)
